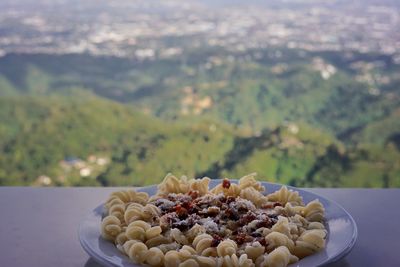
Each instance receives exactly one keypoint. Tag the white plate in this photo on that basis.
(342, 232)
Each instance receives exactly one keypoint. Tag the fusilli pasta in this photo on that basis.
(232, 225)
(110, 227)
(285, 195)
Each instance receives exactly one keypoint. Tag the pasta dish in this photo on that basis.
(231, 225)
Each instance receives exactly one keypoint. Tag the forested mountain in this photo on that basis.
(255, 91)
(47, 135)
(307, 119)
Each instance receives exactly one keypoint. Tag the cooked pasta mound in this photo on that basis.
(232, 224)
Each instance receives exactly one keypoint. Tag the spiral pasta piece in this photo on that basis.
(249, 181)
(189, 263)
(254, 250)
(157, 241)
(200, 185)
(168, 246)
(118, 210)
(121, 238)
(136, 251)
(150, 211)
(202, 245)
(284, 195)
(315, 225)
(250, 193)
(276, 239)
(176, 258)
(226, 248)
(309, 242)
(133, 212)
(136, 211)
(179, 237)
(110, 227)
(279, 257)
(155, 257)
(289, 210)
(282, 226)
(171, 184)
(314, 211)
(172, 259)
(186, 252)
(195, 231)
(137, 230)
(234, 261)
(205, 261)
(232, 191)
(153, 232)
(299, 220)
(126, 196)
(111, 202)
(154, 238)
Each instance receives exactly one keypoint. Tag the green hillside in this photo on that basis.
(310, 158)
(45, 137)
(328, 91)
(38, 133)
(306, 119)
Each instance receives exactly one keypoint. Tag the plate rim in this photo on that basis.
(346, 249)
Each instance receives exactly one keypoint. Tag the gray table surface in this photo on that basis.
(38, 226)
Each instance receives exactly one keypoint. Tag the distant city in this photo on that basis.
(150, 30)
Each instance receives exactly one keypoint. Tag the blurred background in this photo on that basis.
(106, 93)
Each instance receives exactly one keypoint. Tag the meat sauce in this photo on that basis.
(236, 218)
